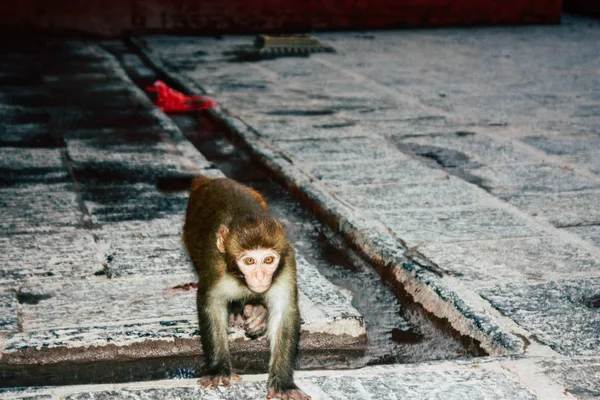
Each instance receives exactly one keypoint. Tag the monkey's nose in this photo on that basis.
(260, 274)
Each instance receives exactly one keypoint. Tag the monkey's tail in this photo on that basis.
(199, 181)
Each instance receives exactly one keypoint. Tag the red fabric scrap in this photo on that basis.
(170, 100)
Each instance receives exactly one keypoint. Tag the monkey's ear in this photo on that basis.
(221, 236)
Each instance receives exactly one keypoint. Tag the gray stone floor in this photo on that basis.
(470, 153)
(92, 264)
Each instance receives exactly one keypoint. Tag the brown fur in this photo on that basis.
(216, 203)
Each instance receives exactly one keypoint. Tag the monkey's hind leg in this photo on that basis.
(213, 319)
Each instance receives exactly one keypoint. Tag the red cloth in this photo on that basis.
(170, 100)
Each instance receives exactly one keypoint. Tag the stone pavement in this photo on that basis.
(486, 380)
(464, 163)
(92, 267)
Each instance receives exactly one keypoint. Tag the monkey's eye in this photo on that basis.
(248, 260)
(269, 260)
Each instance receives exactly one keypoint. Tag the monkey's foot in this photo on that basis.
(290, 394)
(255, 320)
(213, 381)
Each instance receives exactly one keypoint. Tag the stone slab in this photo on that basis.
(398, 171)
(394, 198)
(471, 149)
(9, 320)
(28, 134)
(429, 124)
(531, 178)
(69, 316)
(126, 162)
(556, 312)
(340, 150)
(38, 208)
(589, 160)
(144, 248)
(564, 144)
(418, 227)
(64, 253)
(109, 203)
(561, 209)
(481, 263)
(329, 129)
(31, 165)
(580, 376)
(381, 382)
(589, 233)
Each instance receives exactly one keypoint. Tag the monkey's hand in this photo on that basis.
(213, 381)
(290, 394)
(255, 320)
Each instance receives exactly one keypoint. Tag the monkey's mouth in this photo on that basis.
(259, 289)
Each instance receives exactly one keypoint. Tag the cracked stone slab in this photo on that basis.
(38, 208)
(111, 317)
(394, 198)
(445, 381)
(561, 209)
(65, 253)
(556, 312)
(482, 263)
(416, 227)
(581, 377)
(530, 178)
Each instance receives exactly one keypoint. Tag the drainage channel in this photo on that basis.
(398, 330)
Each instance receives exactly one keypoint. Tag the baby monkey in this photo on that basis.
(246, 266)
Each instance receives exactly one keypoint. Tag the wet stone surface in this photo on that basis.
(556, 312)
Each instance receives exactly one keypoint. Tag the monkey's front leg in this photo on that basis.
(213, 315)
(284, 334)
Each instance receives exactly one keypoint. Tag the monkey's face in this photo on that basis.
(258, 267)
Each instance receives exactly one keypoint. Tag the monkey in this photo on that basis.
(245, 261)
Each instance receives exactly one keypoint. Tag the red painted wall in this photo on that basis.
(115, 17)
